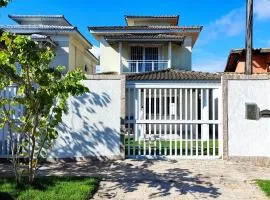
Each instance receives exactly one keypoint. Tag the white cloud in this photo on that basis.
(96, 51)
(262, 9)
(210, 65)
(229, 25)
(208, 62)
(233, 23)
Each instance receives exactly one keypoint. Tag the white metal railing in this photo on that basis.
(137, 66)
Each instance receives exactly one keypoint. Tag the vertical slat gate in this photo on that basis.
(182, 122)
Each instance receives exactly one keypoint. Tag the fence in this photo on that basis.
(174, 121)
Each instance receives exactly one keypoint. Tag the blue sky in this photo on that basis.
(223, 21)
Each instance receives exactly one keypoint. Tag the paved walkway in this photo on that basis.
(182, 179)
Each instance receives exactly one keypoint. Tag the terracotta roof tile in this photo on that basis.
(142, 36)
(171, 74)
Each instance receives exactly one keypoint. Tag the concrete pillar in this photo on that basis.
(187, 44)
(170, 55)
(136, 114)
(120, 56)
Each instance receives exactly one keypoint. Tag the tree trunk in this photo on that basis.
(31, 160)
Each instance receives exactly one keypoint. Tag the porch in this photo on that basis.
(139, 57)
(151, 52)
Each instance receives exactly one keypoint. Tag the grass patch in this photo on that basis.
(178, 147)
(47, 188)
(265, 186)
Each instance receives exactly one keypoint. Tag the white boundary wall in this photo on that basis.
(248, 138)
(91, 129)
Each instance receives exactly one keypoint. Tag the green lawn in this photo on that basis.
(176, 147)
(48, 188)
(265, 186)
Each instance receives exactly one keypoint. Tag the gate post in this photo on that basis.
(205, 114)
(135, 94)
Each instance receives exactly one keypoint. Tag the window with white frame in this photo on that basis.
(144, 58)
(144, 53)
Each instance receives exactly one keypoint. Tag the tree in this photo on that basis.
(42, 91)
(4, 3)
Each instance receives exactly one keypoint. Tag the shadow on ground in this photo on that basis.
(129, 176)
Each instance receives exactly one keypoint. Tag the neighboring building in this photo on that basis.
(237, 57)
(71, 47)
(146, 43)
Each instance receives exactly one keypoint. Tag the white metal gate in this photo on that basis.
(5, 143)
(173, 120)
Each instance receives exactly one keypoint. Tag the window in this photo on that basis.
(136, 53)
(144, 53)
(145, 57)
(151, 53)
(85, 68)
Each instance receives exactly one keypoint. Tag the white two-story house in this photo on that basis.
(146, 43)
(169, 107)
(71, 47)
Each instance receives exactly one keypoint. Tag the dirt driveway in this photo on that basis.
(171, 179)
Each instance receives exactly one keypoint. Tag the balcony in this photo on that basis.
(138, 66)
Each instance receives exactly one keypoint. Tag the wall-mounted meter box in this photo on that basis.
(252, 111)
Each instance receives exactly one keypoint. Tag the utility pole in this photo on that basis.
(249, 37)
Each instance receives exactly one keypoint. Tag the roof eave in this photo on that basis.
(92, 55)
(121, 31)
(18, 30)
(145, 39)
(17, 17)
(90, 45)
(235, 52)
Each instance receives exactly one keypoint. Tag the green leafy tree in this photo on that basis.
(42, 91)
(4, 3)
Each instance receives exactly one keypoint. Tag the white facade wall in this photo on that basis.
(61, 51)
(79, 57)
(91, 129)
(109, 57)
(71, 53)
(182, 55)
(248, 137)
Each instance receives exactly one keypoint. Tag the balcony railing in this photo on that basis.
(137, 66)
